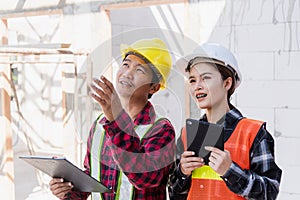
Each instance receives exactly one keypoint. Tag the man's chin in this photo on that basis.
(125, 95)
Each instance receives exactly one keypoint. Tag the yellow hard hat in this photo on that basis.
(155, 51)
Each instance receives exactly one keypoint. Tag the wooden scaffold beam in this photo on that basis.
(6, 152)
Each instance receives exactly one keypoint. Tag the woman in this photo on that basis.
(246, 169)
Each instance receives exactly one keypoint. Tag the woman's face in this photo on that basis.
(207, 87)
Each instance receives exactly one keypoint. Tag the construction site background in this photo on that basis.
(51, 50)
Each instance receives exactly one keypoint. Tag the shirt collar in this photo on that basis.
(231, 118)
(146, 116)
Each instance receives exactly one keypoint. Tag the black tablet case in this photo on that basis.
(62, 168)
(201, 134)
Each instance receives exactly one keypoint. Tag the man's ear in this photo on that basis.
(154, 88)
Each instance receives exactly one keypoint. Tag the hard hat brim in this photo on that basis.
(183, 62)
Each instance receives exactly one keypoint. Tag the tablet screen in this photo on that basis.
(62, 168)
(201, 134)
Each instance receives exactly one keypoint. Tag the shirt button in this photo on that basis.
(201, 186)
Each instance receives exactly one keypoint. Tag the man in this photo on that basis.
(130, 148)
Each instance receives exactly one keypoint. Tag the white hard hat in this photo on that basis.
(214, 52)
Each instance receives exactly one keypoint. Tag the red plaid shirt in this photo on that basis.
(146, 162)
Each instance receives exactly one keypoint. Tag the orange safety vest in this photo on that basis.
(206, 183)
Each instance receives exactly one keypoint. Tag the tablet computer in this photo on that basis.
(201, 134)
(62, 168)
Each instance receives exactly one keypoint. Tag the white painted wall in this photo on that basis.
(265, 37)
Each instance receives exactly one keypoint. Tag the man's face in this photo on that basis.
(134, 78)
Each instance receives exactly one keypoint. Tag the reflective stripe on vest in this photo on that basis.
(206, 183)
(124, 189)
(95, 155)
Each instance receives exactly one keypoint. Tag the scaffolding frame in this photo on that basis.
(7, 90)
(104, 7)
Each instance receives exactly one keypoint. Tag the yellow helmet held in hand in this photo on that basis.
(156, 52)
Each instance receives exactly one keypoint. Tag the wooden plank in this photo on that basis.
(36, 62)
(136, 4)
(42, 46)
(7, 183)
(4, 37)
(7, 171)
(31, 12)
(68, 9)
(38, 51)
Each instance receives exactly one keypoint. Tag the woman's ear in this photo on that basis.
(154, 88)
(228, 83)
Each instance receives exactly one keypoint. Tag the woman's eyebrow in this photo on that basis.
(206, 73)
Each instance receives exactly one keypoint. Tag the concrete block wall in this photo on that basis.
(265, 37)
